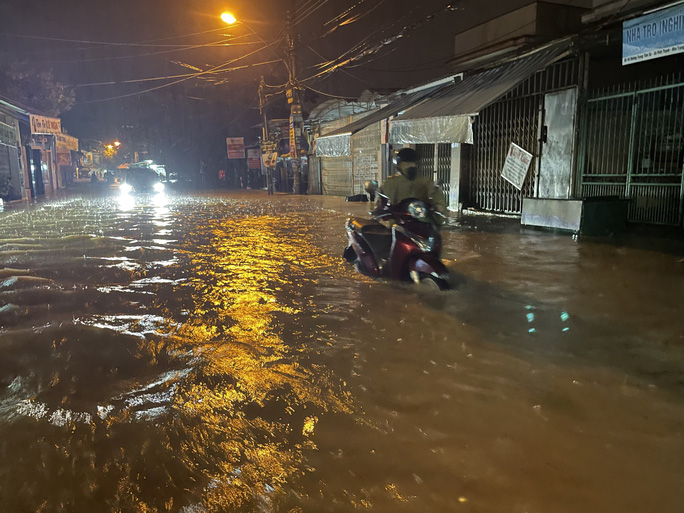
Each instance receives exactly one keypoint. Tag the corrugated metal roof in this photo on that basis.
(392, 109)
(476, 91)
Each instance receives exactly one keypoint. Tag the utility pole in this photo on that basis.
(296, 118)
(265, 143)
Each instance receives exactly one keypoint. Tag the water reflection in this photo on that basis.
(260, 413)
(167, 379)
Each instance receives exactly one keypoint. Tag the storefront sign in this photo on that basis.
(516, 166)
(658, 34)
(66, 142)
(254, 158)
(236, 147)
(45, 125)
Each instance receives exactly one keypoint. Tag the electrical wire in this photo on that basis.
(328, 94)
(365, 49)
(343, 13)
(221, 43)
(193, 75)
(309, 12)
(171, 77)
(85, 41)
(344, 71)
(180, 36)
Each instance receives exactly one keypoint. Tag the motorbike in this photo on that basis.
(408, 251)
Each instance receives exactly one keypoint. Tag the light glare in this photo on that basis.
(228, 18)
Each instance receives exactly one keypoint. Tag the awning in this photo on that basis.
(440, 118)
(338, 142)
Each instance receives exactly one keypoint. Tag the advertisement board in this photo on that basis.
(254, 158)
(66, 142)
(236, 147)
(654, 35)
(516, 166)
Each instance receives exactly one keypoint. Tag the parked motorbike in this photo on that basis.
(409, 250)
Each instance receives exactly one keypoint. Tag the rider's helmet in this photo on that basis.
(406, 155)
(406, 161)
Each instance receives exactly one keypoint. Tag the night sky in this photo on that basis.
(101, 47)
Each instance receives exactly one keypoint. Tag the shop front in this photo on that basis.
(66, 148)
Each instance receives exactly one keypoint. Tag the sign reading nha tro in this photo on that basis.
(516, 166)
(658, 34)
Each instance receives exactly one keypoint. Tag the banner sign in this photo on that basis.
(66, 142)
(658, 34)
(236, 147)
(254, 158)
(45, 125)
(516, 166)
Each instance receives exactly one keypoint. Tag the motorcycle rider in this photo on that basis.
(407, 184)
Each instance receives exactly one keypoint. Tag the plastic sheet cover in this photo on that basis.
(333, 146)
(445, 129)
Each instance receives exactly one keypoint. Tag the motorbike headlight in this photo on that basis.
(418, 210)
(126, 188)
(158, 187)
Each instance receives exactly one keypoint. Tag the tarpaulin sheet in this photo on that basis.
(445, 129)
(337, 141)
(333, 145)
(475, 92)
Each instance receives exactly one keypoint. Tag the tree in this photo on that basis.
(35, 88)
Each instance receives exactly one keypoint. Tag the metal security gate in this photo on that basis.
(632, 146)
(426, 160)
(513, 119)
(434, 162)
(365, 146)
(336, 174)
(443, 165)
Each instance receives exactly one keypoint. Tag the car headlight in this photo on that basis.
(158, 187)
(418, 210)
(126, 188)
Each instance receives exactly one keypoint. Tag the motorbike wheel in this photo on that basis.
(431, 283)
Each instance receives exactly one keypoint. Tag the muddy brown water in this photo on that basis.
(214, 353)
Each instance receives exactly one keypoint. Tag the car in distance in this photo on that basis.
(143, 180)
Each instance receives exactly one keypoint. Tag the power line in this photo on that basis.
(364, 49)
(170, 77)
(193, 75)
(309, 12)
(220, 43)
(85, 41)
(328, 94)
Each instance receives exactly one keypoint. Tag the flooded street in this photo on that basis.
(216, 354)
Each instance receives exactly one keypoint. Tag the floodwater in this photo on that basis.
(215, 354)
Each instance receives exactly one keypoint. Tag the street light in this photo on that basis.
(228, 18)
(295, 107)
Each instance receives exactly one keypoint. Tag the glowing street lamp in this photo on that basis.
(228, 18)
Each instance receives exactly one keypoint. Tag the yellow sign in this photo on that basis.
(45, 125)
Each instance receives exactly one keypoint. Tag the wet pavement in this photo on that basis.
(212, 353)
